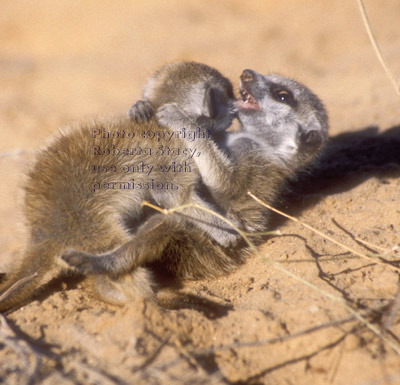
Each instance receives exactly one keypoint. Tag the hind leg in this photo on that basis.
(146, 245)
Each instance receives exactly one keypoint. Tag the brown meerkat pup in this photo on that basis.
(283, 126)
(198, 89)
(84, 191)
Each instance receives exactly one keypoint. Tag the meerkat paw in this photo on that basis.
(141, 111)
(82, 262)
(171, 115)
(126, 288)
(225, 238)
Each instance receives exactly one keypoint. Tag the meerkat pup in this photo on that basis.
(85, 190)
(282, 122)
(283, 126)
(199, 90)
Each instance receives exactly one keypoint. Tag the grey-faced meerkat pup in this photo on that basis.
(85, 190)
(282, 122)
(283, 126)
(278, 116)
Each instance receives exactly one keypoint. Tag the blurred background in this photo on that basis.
(68, 60)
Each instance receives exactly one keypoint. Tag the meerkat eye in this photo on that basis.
(283, 96)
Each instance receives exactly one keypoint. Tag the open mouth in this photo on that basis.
(247, 102)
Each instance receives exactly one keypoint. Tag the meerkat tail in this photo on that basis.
(37, 269)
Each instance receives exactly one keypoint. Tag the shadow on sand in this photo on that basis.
(348, 160)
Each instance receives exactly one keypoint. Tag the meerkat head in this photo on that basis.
(284, 113)
(198, 89)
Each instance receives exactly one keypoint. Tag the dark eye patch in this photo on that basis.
(283, 95)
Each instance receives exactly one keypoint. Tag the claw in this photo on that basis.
(141, 112)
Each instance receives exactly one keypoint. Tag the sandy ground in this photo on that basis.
(64, 61)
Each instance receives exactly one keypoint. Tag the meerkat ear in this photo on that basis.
(211, 102)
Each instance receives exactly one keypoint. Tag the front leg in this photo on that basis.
(173, 116)
(216, 169)
(216, 228)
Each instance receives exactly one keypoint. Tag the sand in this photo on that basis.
(66, 61)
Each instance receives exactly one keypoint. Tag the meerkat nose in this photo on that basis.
(247, 76)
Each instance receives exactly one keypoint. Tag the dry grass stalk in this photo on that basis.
(23, 350)
(347, 248)
(378, 53)
(386, 252)
(16, 153)
(394, 345)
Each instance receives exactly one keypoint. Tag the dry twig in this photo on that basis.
(394, 268)
(279, 267)
(22, 349)
(378, 53)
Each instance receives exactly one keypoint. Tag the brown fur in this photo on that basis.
(258, 159)
(107, 234)
(62, 211)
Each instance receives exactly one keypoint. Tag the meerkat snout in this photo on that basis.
(311, 140)
(247, 76)
(247, 101)
(285, 114)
